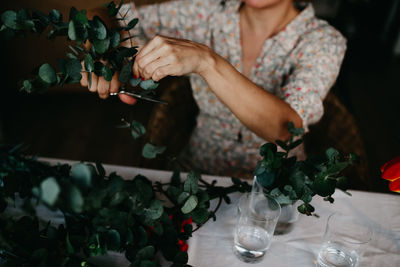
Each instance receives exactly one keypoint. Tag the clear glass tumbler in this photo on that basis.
(289, 214)
(344, 240)
(255, 226)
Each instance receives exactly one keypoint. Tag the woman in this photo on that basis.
(255, 65)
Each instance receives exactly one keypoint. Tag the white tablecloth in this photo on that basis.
(211, 246)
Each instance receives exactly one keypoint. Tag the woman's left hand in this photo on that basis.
(164, 56)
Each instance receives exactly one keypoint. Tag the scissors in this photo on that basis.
(148, 98)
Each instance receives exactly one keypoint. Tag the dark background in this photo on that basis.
(71, 123)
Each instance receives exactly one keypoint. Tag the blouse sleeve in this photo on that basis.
(186, 19)
(319, 58)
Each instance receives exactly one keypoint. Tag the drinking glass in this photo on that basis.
(289, 214)
(344, 241)
(255, 226)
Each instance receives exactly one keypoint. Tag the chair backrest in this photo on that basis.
(338, 129)
(171, 125)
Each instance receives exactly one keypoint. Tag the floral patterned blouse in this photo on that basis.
(298, 65)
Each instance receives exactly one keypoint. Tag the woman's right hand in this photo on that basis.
(104, 88)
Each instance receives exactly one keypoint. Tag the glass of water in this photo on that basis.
(344, 240)
(255, 227)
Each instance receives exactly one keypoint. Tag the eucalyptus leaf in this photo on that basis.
(82, 174)
(200, 215)
(266, 178)
(81, 18)
(98, 29)
(131, 24)
(331, 153)
(101, 46)
(9, 18)
(137, 129)
(135, 82)
(107, 73)
(191, 183)
(55, 16)
(49, 191)
(115, 38)
(71, 56)
(324, 185)
(47, 74)
(150, 151)
(148, 85)
(306, 209)
(72, 31)
(155, 210)
(190, 204)
(27, 86)
(282, 144)
(89, 63)
(73, 69)
(126, 72)
(76, 200)
(295, 131)
(183, 197)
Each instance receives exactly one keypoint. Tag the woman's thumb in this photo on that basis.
(127, 99)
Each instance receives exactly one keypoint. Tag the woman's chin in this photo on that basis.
(261, 4)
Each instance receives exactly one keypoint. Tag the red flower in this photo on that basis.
(183, 246)
(391, 172)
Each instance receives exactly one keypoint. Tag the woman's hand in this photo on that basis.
(164, 56)
(104, 88)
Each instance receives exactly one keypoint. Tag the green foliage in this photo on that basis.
(79, 29)
(150, 151)
(47, 74)
(289, 180)
(102, 213)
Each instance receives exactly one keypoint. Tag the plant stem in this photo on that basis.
(129, 33)
(213, 212)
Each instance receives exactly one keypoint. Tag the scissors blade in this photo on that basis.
(141, 97)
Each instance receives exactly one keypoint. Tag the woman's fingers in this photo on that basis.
(95, 80)
(148, 71)
(84, 79)
(103, 88)
(148, 50)
(161, 73)
(142, 62)
(115, 84)
(127, 99)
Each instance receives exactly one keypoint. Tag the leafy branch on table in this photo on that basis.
(102, 212)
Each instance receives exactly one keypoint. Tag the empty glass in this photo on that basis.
(255, 226)
(344, 241)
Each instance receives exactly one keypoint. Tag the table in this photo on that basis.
(211, 246)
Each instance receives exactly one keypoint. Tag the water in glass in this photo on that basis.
(335, 255)
(251, 242)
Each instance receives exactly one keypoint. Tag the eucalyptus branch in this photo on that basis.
(211, 215)
(102, 211)
(126, 25)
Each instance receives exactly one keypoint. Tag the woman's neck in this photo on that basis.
(270, 20)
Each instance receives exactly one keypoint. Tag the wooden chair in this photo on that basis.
(338, 129)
